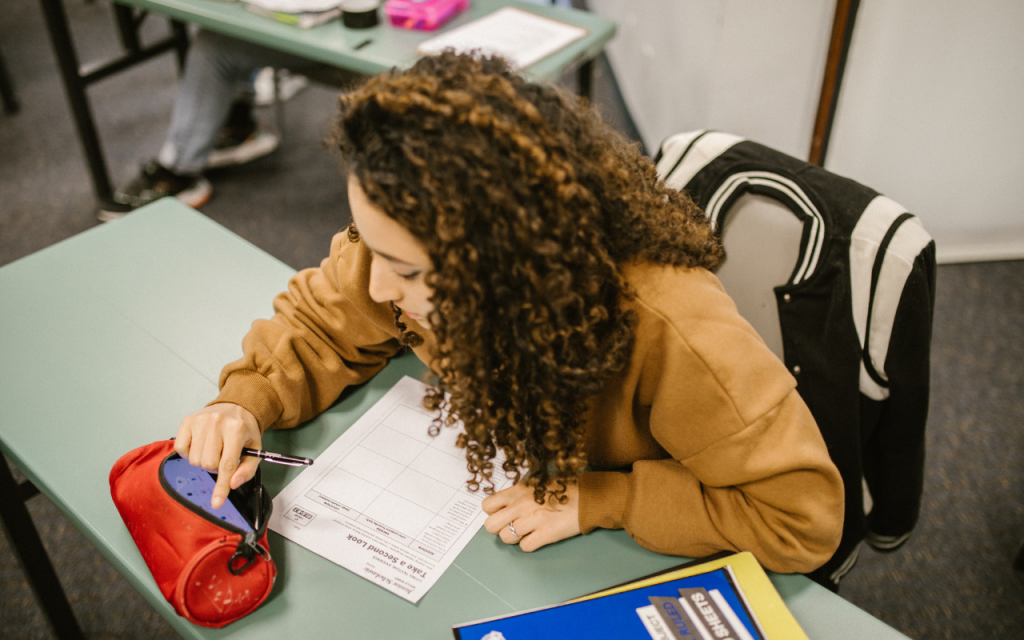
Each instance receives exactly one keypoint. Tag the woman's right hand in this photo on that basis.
(213, 437)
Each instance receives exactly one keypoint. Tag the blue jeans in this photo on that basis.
(217, 70)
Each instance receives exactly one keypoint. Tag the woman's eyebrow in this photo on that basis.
(390, 257)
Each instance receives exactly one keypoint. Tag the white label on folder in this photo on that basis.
(653, 622)
(697, 624)
(730, 615)
(386, 500)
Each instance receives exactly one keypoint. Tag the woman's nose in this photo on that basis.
(382, 286)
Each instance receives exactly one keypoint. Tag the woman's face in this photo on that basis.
(400, 261)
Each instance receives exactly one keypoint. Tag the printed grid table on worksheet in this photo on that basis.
(386, 500)
(403, 483)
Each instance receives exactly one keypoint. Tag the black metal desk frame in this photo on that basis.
(7, 96)
(28, 546)
(78, 78)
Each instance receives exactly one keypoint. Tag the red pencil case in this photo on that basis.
(212, 572)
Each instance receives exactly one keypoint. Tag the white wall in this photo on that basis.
(932, 114)
(750, 68)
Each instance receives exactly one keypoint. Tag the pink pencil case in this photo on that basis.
(423, 15)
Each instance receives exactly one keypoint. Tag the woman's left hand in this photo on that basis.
(535, 524)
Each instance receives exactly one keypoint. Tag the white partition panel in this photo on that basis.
(750, 68)
(931, 114)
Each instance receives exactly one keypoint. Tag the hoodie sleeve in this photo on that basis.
(326, 334)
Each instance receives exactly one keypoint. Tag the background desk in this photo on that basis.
(110, 338)
(331, 43)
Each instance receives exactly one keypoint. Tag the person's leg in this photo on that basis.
(217, 65)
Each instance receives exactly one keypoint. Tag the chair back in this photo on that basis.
(839, 281)
(762, 244)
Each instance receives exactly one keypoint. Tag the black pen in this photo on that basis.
(278, 458)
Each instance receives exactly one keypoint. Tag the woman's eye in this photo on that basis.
(409, 276)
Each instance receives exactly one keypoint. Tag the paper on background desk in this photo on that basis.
(521, 37)
(296, 6)
(385, 500)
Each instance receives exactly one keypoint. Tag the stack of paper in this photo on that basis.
(521, 37)
(304, 14)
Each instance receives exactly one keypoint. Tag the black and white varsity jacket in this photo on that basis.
(856, 319)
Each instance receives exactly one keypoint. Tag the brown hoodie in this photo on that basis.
(724, 452)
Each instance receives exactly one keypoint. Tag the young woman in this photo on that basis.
(561, 295)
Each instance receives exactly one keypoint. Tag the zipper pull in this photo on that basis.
(248, 548)
(254, 544)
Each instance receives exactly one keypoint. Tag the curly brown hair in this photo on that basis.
(527, 205)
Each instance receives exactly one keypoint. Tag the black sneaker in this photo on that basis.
(153, 183)
(241, 139)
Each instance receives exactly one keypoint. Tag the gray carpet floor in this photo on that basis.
(952, 580)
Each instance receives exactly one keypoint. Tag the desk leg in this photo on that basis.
(128, 27)
(10, 101)
(180, 31)
(585, 80)
(74, 86)
(29, 549)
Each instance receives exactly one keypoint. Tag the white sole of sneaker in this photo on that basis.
(263, 144)
(109, 216)
(288, 85)
(198, 195)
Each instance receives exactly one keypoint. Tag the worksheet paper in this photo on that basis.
(521, 37)
(386, 500)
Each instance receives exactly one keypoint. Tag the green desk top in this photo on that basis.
(110, 338)
(389, 47)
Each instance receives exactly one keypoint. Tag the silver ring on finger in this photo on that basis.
(513, 530)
